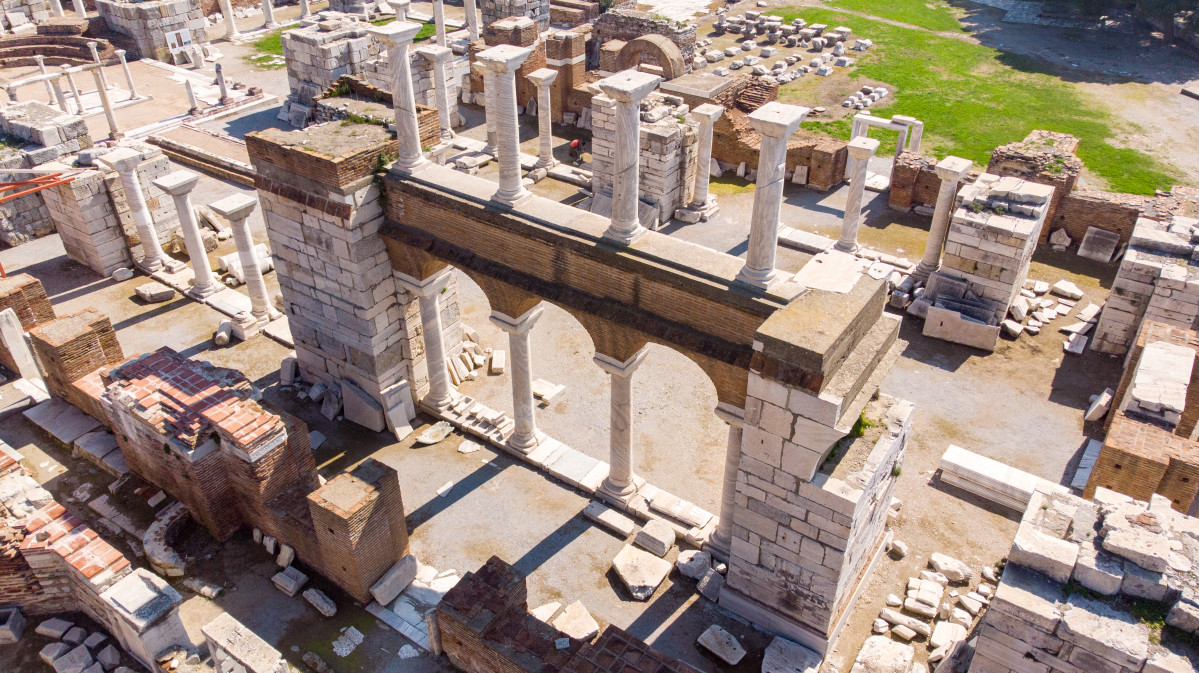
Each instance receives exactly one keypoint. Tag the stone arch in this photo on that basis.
(504, 298)
(412, 261)
(656, 50)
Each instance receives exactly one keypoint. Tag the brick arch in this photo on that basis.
(662, 51)
(412, 261)
(502, 297)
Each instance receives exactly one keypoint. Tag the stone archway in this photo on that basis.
(655, 50)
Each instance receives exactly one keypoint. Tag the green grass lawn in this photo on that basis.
(931, 14)
(973, 98)
(271, 44)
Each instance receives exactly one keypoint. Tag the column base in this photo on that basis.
(201, 292)
(525, 445)
(849, 248)
(719, 547)
(266, 317)
(546, 165)
(624, 494)
(706, 209)
(512, 200)
(625, 236)
(150, 266)
(409, 167)
(271, 26)
(759, 278)
(923, 271)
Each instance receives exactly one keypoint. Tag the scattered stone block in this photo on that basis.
(12, 625)
(1065, 288)
(882, 655)
(331, 403)
(54, 628)
(270, 544)
(109, 657)
(784, 656)
(880, 626)
(693, 564)
(640, 571)
(290, 580)
(576, 622)
(499, 360)
(395, 580)
(361, 408)
(288, 371)
(546, 612)
(155, 293)
(323, 604)
(53, 651)
(1101, 405)
(656, 537)
(953, 569)
(898, 619)
(945, 633)
(286, 556)
(75, 636)
(93, 641)
(903, 633)
(223, 334)
(722, 644)
(75, 661)
(710, 584)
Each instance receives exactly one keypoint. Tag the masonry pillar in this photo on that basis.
(237, 209)
(99, 66)
(543, 78)
(128, 75)
(397, 36)
(472, 20)
(439, 21)
(268, 13)
(860, 151)
(437, 58)
(723, 535)
(524, 437)
(125, 161)
(620, 480)
(231, 30)
(502, 61)
(428, 294)
(706, 115)
(179, 185)
(951, 170)
(627, 88)
(776, 122)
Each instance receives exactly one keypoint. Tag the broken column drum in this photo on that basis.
(125, 161)
(776, 122)
(951, 170)
(620, 480)
(237, 209)
(179, 185)
(396, 36)
(503, 61)
(860, 151)
(524, 437)
(543, 78)
(627, 88)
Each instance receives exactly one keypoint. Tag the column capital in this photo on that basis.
(734, 416)
(620, 369)
(953, 168)
(119, 53)
(394, 34)
(543, 76)
(435, 54)
(431, 286)
(399, 6)
(862, 147)
(519, 325)
(777, 120)
(235, 208)
(503, 59)
(177, 183)
(707, 113)
(629, 86)
(121, 159)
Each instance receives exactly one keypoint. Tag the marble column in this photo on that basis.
(437, 58)
(225, 98)
(124, 161)
(860, 151)
(41, 66)
(620, 482)
(56, 90)
(543, 78)
(268, 13)
(627, 88)
(128, 75)
(502, 61)
(428, 294)
(706, 115)
(472, 20)
(56, 8)
(915, 132)
(396, 37)
(488, 95)
(197, 54)
(99, 66)
(951, 170)
(776, 122)
(231, 30)
(305, 10)
(70, 75)
(439, 21)
(400, 7)
(80, 10)
(237, 209)
(12, 93)
(722, 537)
(114, 131)
(179, 185)
(524, 437)
(192, 100)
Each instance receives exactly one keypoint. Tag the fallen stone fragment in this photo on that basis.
(1101, 405)
(54, 628)
(155, 293)
(1064, 288)
(945, 633)
(693, 564)
(546, 612)
(576, 622)
(710, 584)
(894, 601)
(223, 334)
(655, 537)
(912, 623)
(784, 656)
(122, 274)
(882, 655)
(641, 571)
(913, 605)
(953, 569)
(899, 549)
(109, 657)
(903, 633)
(880, 626)
(290, 580)
(323, 604)
(75, 636)
(53, 651)
(722, 644)
(1012, 328)
(435, 433)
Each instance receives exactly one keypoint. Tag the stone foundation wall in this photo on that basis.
(1082, 209)
(27, 298)
(149, 22)
(56, 133)
(86, 218)
(72, 347)
(495, 10)
(1044, 158)
(319, 54)
(37, 11)
(734, 141)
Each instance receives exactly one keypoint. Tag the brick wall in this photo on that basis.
(628, 24)
(1082, 209)
(72, 347)
(914, 182)
(1042, 157)
(734, 141)
(27, 298)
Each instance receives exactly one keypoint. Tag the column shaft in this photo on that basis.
(768, 200)
(128, 75)
(268, 13)
(439, 21)
(230, 25)
(502, 61)
(545, 152)
(472, 20)
(722, 537)
(620, 481)
(441, 91)
(951, 170)
(407, 130)
(853, 205)
(154, 256)
(626, 174)
(260, 303)
(439, 379)
(206, 283)
(488, 107)
(703, 170)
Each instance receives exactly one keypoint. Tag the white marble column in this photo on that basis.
(237, 209)
(99, 66)
(231, 30)
(706, 115)
(80, 10)
(428, 294)
(268, 13)
(124, 161)
(439, 21)
(620, 482)
(488, 96)
(41, 66)
(627, 88)
(192, 100)
(56, 8)
(396, 37)
(776, 122)
(437, 58)
(472, 20)
(305, 10)
(225, 98)
(114, 131)
(502, 61)
(70, 75)
(722, 537)
(400, 7)
(860, 151)
(524, 437)
(951, 170)
(543, 78)
(128, 75)
(56, 90)
(179, 185)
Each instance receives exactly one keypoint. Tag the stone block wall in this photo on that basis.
(628, 24)
(27, 298)
(668, 156)
(377, 73)
(914, 183)
(149, 22)
(1045, 158)
(495, 10)
(320, 53)
(518, 32)
(87, 221)
(566, 52)
(1157, 281)
(52, 133)
(36, 11)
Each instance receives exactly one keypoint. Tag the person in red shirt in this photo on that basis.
(576, 148)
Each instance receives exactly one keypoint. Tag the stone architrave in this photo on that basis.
(722, 537)
(951, 170)
(543, 78)
(237, 209)
(502, 61)
(776, 122)
(124, 161)
(703, 201)
(231, 30)
(397, 36)
(620, 482)
(179, 185)
(627, 88)
(128, 75)
(860, 151)
(437, 58)
(268, 13)
(428, 295)
(524, 437)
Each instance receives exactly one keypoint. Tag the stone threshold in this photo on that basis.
(582, 472)
(227, 301)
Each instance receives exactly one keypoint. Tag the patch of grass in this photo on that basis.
(861, 425)
(730, 185)
(973, 99)
(930, 14)
(271, 43)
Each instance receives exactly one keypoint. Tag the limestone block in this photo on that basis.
(109, 657)
(656, 537)
(75, 661)
(576, 622)
(898, 619)
(331, 403)
(693, 564)
(54, 628)
(951, 568)
(1102, 572)
(290, 580)
(361, 408)
(1144, 548)
(286, 556)
(722, 644)
(395, 580)
(323, 604)
(53, 651)
(1141, 583)
(880, 654)
(155, 293)
(1049, 555)
(1167, 662)
(640, 571)
(1105, 631)
(75, 636)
